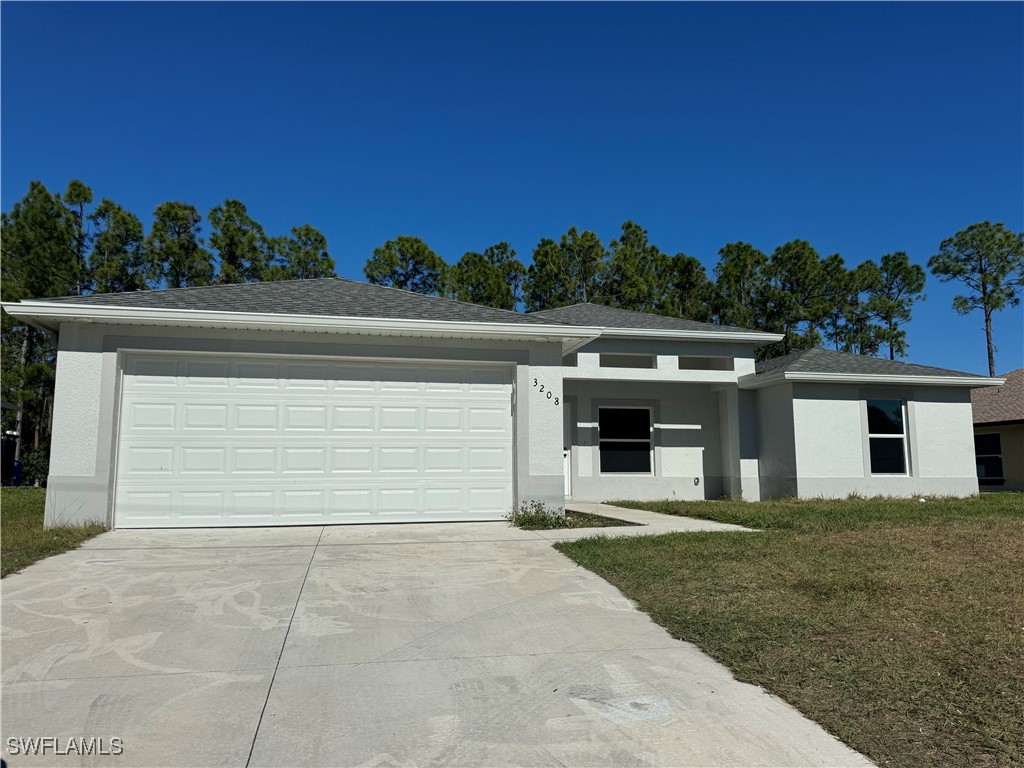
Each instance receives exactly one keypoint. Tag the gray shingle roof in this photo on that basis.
(819, 360)
(1005, 403)
(613, 317)
(331, 296)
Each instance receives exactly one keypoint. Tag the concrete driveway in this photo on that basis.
(469, 644)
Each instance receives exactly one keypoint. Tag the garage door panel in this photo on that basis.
(198, 505)
(209, 417)
(252, 507)
(149, 415)
(253, 374)
(357, 460)
(204, 461)
(249, 441)
(206, 373)
(354, 418)
(145, 460)
(155, 372)
(254, 460)
(391, 418)
(260, 417)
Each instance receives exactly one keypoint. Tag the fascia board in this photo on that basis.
(755, 381)
(50, 315)
(756, 337)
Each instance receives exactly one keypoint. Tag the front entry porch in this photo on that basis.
(657, 440)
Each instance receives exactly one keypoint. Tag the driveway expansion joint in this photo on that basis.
(284, 642)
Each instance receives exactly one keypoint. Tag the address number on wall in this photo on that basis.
(542, 388)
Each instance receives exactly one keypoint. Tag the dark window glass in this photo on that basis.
(625, 457)
(990, 467)
(624, 424)
(987, 445)
(885, 417)
(887, 456)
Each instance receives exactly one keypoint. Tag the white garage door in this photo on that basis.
(215, 441)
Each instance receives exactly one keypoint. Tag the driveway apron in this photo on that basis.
(468, 644)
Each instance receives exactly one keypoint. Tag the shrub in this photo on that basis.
(35, 466)
(536, 515)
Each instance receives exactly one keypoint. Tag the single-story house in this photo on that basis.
(999, 433)
(334, 401)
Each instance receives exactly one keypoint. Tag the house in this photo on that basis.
(334, 401)
(999, 433)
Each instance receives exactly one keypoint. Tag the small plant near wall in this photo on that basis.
(535, 515)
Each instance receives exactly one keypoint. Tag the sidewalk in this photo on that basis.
(644, 523)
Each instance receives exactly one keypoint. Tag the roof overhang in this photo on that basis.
(48, 316)
(757, 338)
(760, 381)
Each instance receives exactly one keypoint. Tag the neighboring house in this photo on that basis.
(333, 401)
(999, 434)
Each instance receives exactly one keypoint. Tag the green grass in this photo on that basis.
(897, 625)
(22, 538)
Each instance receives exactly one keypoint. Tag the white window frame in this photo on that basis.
(905, 436)
(649, 440)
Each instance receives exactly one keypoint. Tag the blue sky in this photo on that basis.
(863, 128)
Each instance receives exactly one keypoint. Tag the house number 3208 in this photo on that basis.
(547, 392)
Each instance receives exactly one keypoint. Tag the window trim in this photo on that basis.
(904, 436)
(649, 440)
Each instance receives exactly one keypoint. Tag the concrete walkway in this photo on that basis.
(470, 644)
(653, 523)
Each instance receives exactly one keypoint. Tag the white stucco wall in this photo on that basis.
(828, 432)
(86, 400)
(687, 445)
(831, 446)
(539, 428)
(775, 446)
(76, 408)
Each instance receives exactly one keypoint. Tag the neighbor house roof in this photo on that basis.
(1000, 404)
(587, 314)
(826, 365)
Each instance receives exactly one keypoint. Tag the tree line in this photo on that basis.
(57, 244)
(811, 300)
(68, 244)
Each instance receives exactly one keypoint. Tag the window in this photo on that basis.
(693, 363)
(626, 361)
(887, 437)
(988, 453)
(624, 436)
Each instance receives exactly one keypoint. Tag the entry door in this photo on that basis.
(239, 441)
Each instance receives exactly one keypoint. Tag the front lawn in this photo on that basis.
(22, 538)
(898, 625)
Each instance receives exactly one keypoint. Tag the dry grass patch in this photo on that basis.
(898, 626)
(23, 540)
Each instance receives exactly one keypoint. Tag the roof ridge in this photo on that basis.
(194, 288)
(703, 324)
(431, 296)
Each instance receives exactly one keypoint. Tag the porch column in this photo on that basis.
(539, 440)
(738, 424)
